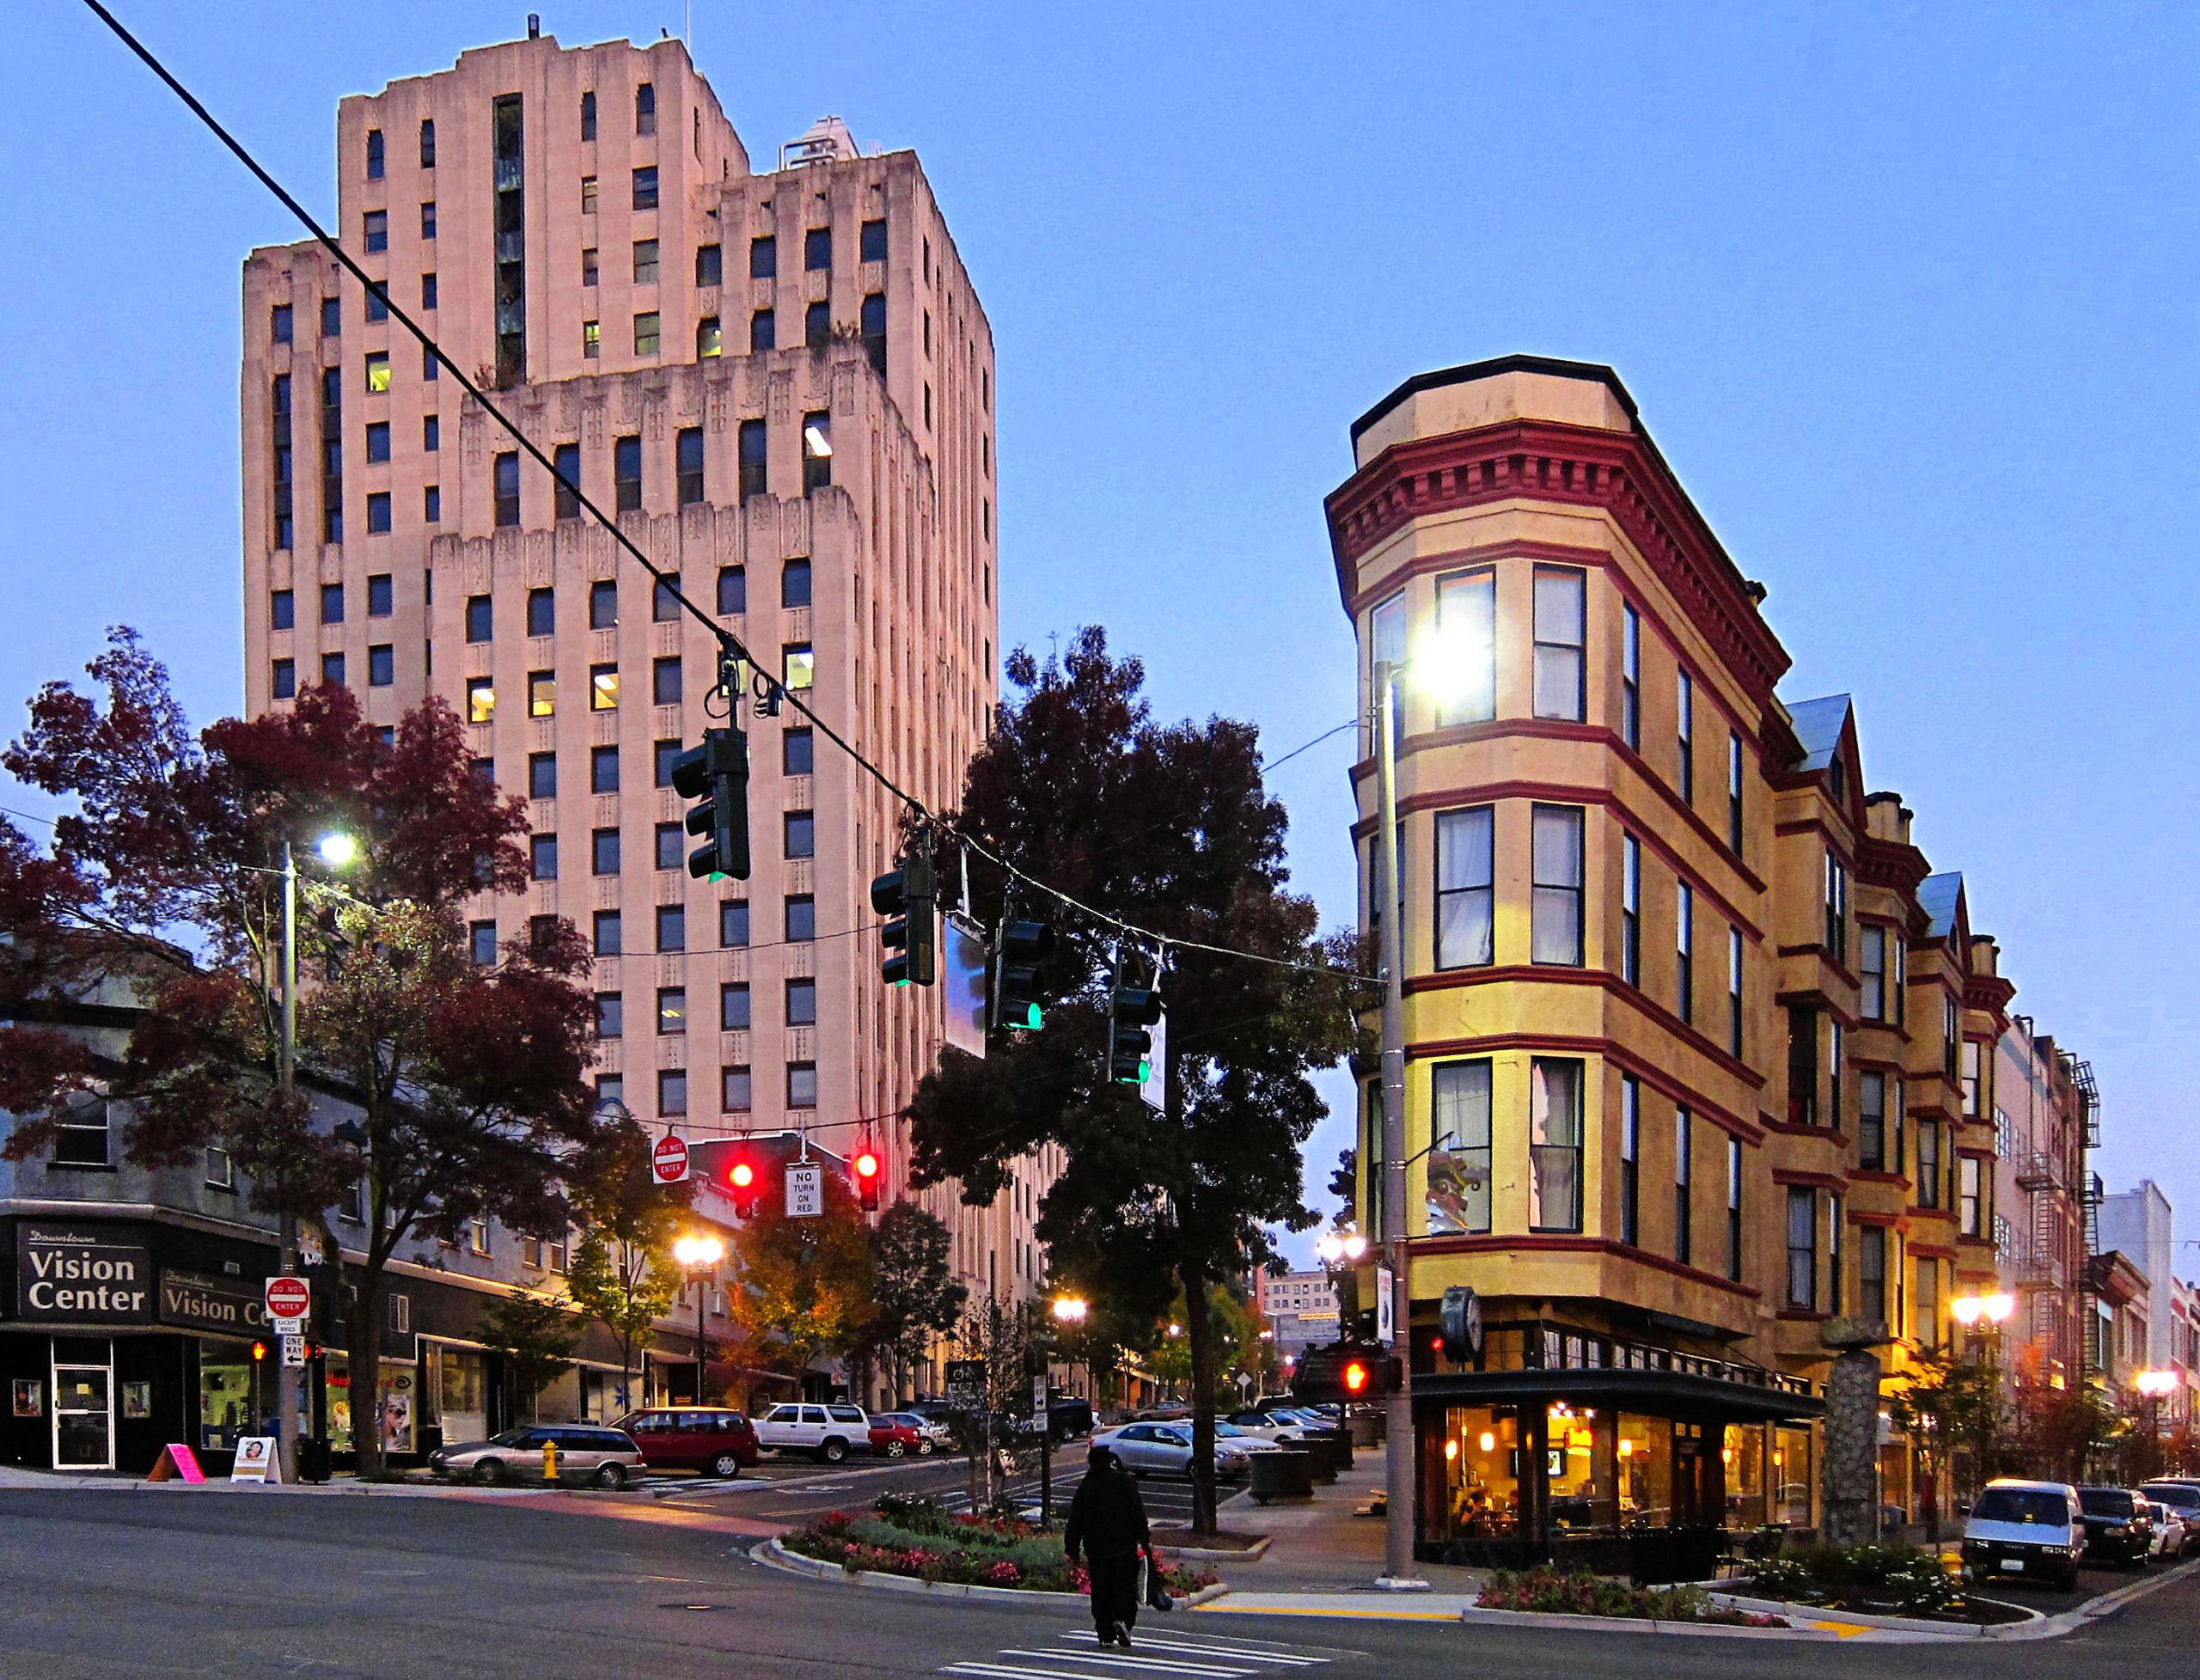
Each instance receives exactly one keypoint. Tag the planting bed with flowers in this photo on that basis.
(1556, 1592)
(917, 1537)
(1882, 1580)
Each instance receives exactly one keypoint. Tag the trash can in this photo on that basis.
(1286, 1474)
(1321, 1455)
(1339, 1442)
(313, 1458)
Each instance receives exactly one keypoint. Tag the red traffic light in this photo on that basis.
(1356, 1376)
(258, 1351)
(866, 1165)
(740, 1175)
(748, 1194)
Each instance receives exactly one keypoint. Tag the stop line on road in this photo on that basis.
(1076, 1655)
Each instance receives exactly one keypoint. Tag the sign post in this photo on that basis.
(669, 1160)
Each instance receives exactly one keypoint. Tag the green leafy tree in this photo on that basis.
(1946, 1403)
(536, 1334)
(622, 1273)
(914, 1297)
(804, 1284)
(1168, 826)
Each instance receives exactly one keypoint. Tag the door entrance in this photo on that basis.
(83, 1409)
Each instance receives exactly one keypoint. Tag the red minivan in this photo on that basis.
(711, 1440)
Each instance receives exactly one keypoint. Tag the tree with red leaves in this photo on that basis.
(466, 1082)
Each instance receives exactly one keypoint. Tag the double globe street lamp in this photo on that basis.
(698, 1256)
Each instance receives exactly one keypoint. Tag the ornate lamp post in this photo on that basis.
(697, 1256)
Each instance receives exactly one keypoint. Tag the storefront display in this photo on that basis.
(228, 1408)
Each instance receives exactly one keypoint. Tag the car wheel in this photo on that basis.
(894, 1449)
(725, 1464)
(611, 1475)
(833, 1451)
(489, 1471)
(925, 1447)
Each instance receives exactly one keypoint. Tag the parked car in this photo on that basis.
(2032, 1529)
(1283, 1428)
(2118, 1524)
(898, 1434)
(711, 1440)
(1147, 1449)
(586, 1451)
(827, 1433)
(2181, 1496)
(2173, 1537)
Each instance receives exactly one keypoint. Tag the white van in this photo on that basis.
(2032, 1529)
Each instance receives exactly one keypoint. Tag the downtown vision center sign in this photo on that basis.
(83, 1274)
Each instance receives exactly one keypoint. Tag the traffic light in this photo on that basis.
(717, 774)
(1020, 958)
(1133, 1010)
(1344, 1371)
(866, 1169)
(908, 896)
(746, 1185)
(1356, 1376)
(258, 1352)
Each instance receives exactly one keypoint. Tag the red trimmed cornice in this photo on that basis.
(1883, 863)
(1990, 992)
(1816, 1181)
(1593, 1245)
(1858, 1216)
(1543, 461)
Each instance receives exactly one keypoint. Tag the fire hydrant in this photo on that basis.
(549, 1461)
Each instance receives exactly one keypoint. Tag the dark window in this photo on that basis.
(588, 115)
(1556, 923)
(664, 601)
(1683, 1179)
(817, 248)
(378, 510)
(589, 271)
(801, 834)
(507, 488)
(801, 1084)
(763, 258)
(1928, 1163)
(431, 504)
(604, 770)
(802, 919)
(603, 847)
(331, 317)
(816, 451)
(1684, 731)
(1802, 1065)
(753, 457)
(375, 230)
(282, 610)
(1872, 1121)
(645, 262)
(672, 1090)
(332, 603)
(795, 753)
(663, 756)
(874, 331)
(427, 143)
(1734, 793)
(332, 670)
(1802, 1248)
(710, 265)
(733, 924)
(801, 1003)
(672, 927)
(1684, 951)
(568, 493)
(687, 448)
(610, 933)
(871, 242)
(734, 1013)
(733, 589)
(664, 682)
(1872, 973)
(1630, 909)
(610, 1015)
(671, 845)
(671, 1009)
(279, 323)
(1836, 908)
(645, 187)
(1872, 1287)
(1734, 991)
(646, 109)
(381, 665)
(431, 434)
(377, 440)
(542, 613)
(374, 154)
(282, 679)
(762, 332)
(427, 218)
(377, 306)
(481, 944)
(542, 775)
(817, 325)
(480, 622)
(1630, 1159)
(1734, 1209)
(736, 1092)
(603, 604)
(626, 473)
(794, 583)
(542, 856)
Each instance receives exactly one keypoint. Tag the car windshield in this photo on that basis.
(2021, 1505)
(2105, 1501)
(1229, 1429)
(512, 1437)
(2171, 1494)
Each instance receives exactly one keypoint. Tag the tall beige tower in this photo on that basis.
(783, 383)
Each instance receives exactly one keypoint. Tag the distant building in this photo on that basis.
(1301, 1309)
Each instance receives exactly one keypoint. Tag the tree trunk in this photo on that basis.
(363, 1339)
(1199, 1335)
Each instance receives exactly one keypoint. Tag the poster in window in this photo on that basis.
(1456, 1188)
(396, 1403)
(30, 1397)
(137, 1400)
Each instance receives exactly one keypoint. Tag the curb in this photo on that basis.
(1473, 1616)
(1258, 1549)
(773, 1556)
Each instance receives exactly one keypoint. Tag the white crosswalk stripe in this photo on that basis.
(1217, 1648)
(1160, 1656)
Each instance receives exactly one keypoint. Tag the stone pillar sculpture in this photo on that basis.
(1849, 1475)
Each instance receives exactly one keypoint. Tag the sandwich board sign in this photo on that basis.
(256, 1460)
(177, 1462)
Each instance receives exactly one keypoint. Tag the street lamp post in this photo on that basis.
(1982, 1318)
(697, 1255)
(2154, 1384)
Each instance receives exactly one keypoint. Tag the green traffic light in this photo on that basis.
(1032, 1019)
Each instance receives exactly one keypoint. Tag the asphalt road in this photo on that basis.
(105, 1585)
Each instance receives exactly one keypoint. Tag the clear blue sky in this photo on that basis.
(1905, 294)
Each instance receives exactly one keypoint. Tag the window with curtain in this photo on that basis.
(1683, 1178)
(1969, 1200)
(1872, 974)
(1466, 652)
(1802, 1065)
(1734, 1209)
(1928, 1163)
(1555, 916)
(1872, 1274)
(1734, 793)
(1465, 887)
(1630, 1159)
(1872, 1121)
(1834, 1228)
(1734, 991)
(1925, 1305)
(1630, 910)
(1561, 636)
(1386, 641)
(1458, 1174)
(1684, 951)
(1555, 1145)
(1630, 677)
(1802, 1248)
(1684, 729)
(1836, 908)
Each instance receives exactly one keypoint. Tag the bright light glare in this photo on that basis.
(820, 445)
(2156, 1381)
(1355, 1245)
(1071, 1308)
(338, 850)
(1452, 666)
(699, 1250)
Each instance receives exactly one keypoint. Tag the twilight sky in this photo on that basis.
(1904, 293)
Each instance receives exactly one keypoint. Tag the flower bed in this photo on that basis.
(1557, 1592)
(1882, 1580)
(916, 1537)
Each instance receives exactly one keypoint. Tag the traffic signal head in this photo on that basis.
(1020, 974)
(1355, 1377)
(1133, 1010)
(907, 897)
(748, 1192)
(258, 1352)
(866, 1167)
(717, 774)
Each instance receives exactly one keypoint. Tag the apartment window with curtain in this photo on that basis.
(1925, 1305)
(1971, 1079)
(1684, 1177)
(1555, 915)
(1834, 1044)
(1466, 648)
(1951, 1033)
(1386, 642)
(1734, 1209)
(1872, 1274)
(1630, 1159)
(1630, 677)
(1928, 1163)
(1555, 1145)
(1971, 1203)
(1465, 885)
(1630, 910)
(1802, 1248)
(1734, 793)
(1872, 1121)
(1802, 1065)
(1836, 908)
(1684, 951)
(1834, 1254)
(1684, 729)
(1734, 991)
(1872, 973)
(1460, 1094)
(1562, 637)
(1899, 1157)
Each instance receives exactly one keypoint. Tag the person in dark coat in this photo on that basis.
(1107, 1522)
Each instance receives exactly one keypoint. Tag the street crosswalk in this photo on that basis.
(1156, 1655)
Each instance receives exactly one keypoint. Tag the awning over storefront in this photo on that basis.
(1674, 1393)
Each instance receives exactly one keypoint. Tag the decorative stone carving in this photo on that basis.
(1848, 1476)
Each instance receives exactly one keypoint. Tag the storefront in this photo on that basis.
(1567, 1443)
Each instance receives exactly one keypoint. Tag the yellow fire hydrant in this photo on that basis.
(549, 1461)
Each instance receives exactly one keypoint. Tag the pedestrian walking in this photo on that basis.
(1107, 1522)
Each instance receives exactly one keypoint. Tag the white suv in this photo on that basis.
(829, 1433)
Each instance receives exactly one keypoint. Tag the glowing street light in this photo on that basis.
(338, 849)
(1337, 1245)
(2156, 1382)
(698, 1254)
(1995, 1309)
(1070, 1309)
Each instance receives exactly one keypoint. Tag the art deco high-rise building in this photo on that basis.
(782, 383)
